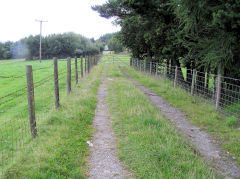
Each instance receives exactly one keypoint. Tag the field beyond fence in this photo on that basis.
(29, 91)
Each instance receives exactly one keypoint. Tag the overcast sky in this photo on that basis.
(17, 18)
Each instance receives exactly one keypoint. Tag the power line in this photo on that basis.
(40, 47)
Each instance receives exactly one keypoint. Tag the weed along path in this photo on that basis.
(103, 160)
(203, 143)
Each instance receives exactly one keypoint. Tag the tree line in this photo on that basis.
(202, 35)
(111, 40)
(59, 45)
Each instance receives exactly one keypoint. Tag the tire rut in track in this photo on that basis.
(104, 163)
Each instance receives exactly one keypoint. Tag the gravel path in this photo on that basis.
(103, 160)
(206, 146)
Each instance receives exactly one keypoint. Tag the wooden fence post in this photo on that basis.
(31, 103)
(56, 85)
(176, 77)
(219, 88)
(81, 66)
(69, 75)
(145, 66)
(150, 68)
(193, 81)
(85, 65)
(165, 70)
(156, 69)
(88, 64)
(76, 71)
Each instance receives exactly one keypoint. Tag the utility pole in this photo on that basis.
(40, 47)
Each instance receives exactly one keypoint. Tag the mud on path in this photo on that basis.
(104, 164)
(204, 144)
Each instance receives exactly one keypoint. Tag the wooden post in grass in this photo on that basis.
(165, 70)
(145, 65)
(176, 77)
(219, 88)
(56, 85)
(156, 69)
(150, 68)
(76, 71)
(81, 66)
(85, 65)
(69, 75)
(88, 64)
(31, 103)
(193, 81)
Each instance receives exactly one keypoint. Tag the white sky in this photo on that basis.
(17, 18)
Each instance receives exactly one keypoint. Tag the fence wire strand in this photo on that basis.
(204, 84)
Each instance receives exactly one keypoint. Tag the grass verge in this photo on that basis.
(200, 113)
(61, 150)
(149, 145)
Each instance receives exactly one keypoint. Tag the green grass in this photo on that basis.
(60, 151)
(14, 123)
(149, 145)
(200, 113)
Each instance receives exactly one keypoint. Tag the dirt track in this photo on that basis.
(202, 141)
(104, 164)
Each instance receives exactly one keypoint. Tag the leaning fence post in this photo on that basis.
(31, 103)
(193, 81)
(76, 71)
(150, 68)
(56, 85)
(81, 66)
(156, 69)
(219, 86)
(69, 75)
(176, 76)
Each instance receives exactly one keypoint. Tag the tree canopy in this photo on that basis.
(195, 34)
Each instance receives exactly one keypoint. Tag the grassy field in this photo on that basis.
(200, 113)
(14, 123)
(149, 145)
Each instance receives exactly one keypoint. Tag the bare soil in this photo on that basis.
(204, 144)
(104, 163)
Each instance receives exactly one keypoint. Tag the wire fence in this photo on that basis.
(15, 108)
(223, 92)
